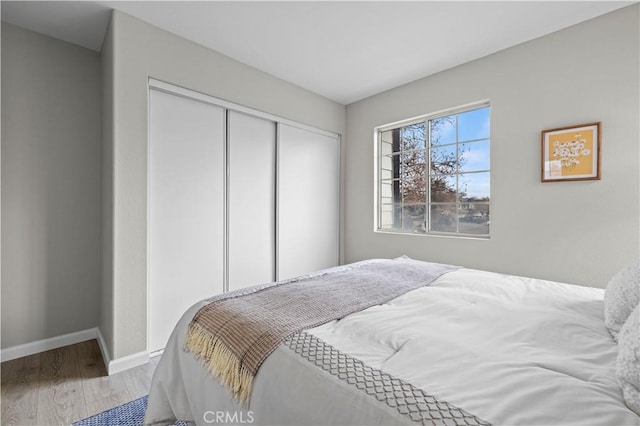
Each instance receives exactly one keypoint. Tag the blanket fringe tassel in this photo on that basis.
(220, 361)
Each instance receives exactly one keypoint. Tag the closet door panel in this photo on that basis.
(308, 201)
(186, 208)
(251, 219)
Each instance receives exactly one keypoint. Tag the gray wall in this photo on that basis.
(138, 51)
(578, 232)
(50, 187)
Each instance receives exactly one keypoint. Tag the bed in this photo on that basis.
(471, 347)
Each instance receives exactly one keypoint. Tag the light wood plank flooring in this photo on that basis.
(61, 386)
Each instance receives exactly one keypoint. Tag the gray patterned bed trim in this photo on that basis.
(409, 401)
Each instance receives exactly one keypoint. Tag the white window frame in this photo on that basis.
(378, 131)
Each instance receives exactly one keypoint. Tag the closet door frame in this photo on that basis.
(172, 89)
(177, 90)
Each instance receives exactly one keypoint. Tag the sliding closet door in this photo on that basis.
(186, 208)
(251, 219)
(308, 201)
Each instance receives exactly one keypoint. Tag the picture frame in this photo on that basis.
(571, 153)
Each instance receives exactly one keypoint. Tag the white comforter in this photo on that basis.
(509, 350)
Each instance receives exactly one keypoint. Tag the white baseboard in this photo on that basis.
(104, 349)
(126, 362)
(43, 345)
(154, 354)
(113, 366)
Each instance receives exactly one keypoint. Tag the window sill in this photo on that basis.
(434, 234)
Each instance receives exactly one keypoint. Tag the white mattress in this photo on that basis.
(509, 350)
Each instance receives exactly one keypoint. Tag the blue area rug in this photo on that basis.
(129, 414)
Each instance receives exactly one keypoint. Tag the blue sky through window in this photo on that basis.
(471, 125)
(473, 130)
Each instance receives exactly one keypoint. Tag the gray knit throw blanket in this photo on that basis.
(233, 336)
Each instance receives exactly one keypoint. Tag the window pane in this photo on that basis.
(443, 218)
(413, 218)
(386, 191)
(386, 215)
(443, 130)
(443, 189)
(474, 186)
(386, 142)
(386, 162)
(474, 218)
(391, 215)
(413, 162)
(385, 148)
(386, 174)
(474, 156)
(443, 160)
(412, 137)
(473, 125)
(414, 194)
(413, 176)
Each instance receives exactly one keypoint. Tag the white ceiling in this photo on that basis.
(345, 51)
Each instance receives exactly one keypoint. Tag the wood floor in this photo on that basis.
(61, 386)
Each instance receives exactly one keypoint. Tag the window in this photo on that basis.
(433, 174)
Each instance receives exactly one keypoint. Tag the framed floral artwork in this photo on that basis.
(571, 153)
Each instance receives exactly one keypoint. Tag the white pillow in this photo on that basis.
(628, 363)
(621, 297)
